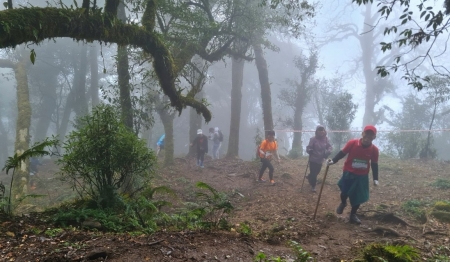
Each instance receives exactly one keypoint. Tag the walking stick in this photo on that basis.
(307, 165)
(320, 193)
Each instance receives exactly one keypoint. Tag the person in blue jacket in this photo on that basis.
(160, 144)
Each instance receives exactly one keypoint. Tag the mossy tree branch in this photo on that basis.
(33, 25)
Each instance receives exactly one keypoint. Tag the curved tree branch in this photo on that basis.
(33, 25)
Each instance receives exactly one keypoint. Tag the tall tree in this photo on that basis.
(297, 97)
(237, 76)
(124, 76)
(266, 97)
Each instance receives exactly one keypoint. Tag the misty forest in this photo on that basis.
(224, 130)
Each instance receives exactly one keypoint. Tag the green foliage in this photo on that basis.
(16, 161)
(244, 229)
(415, 25)
(339, 114)
(213, 204)
(441, 183)
(103, 156)
(52, 232)
(208, 212)
(415, 208)
(300, 254)
(416, 114)
(441, 254)
(141, 213)
(399, 253)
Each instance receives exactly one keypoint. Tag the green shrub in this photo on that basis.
(103, 156)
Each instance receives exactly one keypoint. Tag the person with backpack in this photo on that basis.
(201, 142)
(267, 149)
(160, 144)
(319, 148)
(354, 183)
(217, 137)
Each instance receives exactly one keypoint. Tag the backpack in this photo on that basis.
(220, 136)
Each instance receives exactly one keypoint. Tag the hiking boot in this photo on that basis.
(354, 219)
(272, 182)
(340, 208)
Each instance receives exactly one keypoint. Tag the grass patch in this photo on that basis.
(441, 183)
(415, 208)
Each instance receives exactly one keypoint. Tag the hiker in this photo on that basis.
(267, 149)
(217, 137)
(201, 141)
(354, 183)
(319, 148)
(160, 144)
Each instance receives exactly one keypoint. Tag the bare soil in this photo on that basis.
(275, 214)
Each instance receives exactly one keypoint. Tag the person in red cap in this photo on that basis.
(354, 183)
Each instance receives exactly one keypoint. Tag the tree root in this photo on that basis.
(431, 232)
(390, 217)
(391, 231)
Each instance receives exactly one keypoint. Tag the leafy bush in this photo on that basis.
(103, 156)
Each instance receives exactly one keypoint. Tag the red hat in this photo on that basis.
(370, 128)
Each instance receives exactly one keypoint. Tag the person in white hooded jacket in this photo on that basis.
(216, 136)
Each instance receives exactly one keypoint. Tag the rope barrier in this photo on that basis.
(360, 131)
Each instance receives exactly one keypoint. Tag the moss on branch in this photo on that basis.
(33, 25)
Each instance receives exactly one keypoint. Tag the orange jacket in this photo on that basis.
(267, 149)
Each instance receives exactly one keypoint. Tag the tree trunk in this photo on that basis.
(195, 122)
(124, 76)
(237, 69)
(70, 100)
(297, 146)
(266, 97)
(22, 176)
(47, 108)
(94, 76)
(80, 104)
(368, 47)
(167, 120)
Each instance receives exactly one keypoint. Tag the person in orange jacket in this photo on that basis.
(267, 149)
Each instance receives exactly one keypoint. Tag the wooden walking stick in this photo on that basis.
(320, 193)
(307, 165)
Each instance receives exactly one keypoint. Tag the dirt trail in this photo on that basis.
(275, 215)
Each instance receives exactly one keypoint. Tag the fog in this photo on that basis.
(347, 50)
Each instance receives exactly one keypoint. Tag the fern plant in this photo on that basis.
(214, 205)
(16, 161)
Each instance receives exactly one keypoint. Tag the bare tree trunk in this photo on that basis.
(80, 105)
(297, 145)
(124, 77)
(70, 100)
(94, 76)
(237, 68)
(368, 47)
(266, 97)
(47, 108)
(22, 176)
